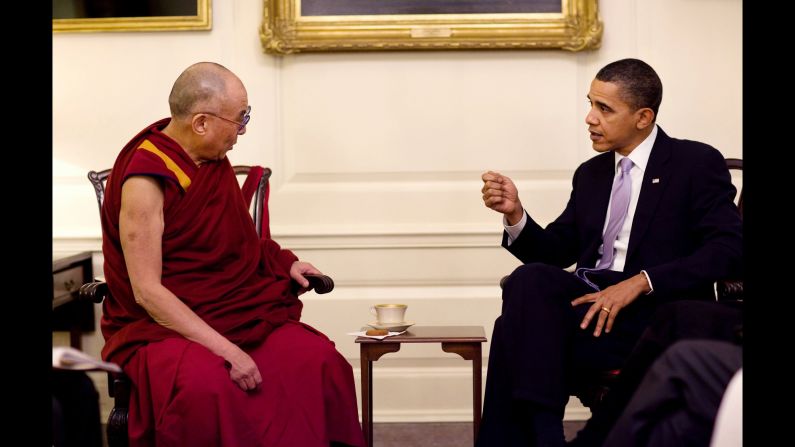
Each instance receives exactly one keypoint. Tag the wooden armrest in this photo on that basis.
(93, 291)
(730, 290)
(320, 283)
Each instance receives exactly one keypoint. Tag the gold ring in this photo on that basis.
(605, 309)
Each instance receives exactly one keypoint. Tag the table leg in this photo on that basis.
(369, 353)
(75, 337)
(470, 351)
(367, 397)
(477, 370)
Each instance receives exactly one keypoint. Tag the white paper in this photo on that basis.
(377, 337)
(64, 357)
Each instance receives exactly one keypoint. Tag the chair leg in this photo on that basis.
(117, 421)
(117, 428)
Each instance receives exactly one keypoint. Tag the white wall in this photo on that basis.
(377, 156)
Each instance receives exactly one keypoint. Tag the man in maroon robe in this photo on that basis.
(202, 317)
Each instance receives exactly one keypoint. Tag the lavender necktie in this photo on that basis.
(622, 187)
(619, 205)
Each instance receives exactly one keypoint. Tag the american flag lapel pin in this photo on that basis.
(655, 180)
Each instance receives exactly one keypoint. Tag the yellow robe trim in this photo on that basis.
(183, 178)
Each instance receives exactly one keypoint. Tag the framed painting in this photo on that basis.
(111, 15)
(292, 26)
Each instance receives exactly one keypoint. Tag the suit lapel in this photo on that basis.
(655, 180)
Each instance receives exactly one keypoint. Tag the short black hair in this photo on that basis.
(640, 84)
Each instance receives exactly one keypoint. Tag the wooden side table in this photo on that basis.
(465, 341)
(69, 272)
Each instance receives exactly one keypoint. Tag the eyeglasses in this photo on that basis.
(241, 124)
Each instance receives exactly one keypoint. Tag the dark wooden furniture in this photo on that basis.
(465, 341)
(591, 390)
(96, 291)
(69, 272)
(732, 289)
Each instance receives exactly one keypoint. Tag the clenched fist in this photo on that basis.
(500, 194)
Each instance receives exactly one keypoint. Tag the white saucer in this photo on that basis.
(392, 327)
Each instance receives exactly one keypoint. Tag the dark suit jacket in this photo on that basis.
(686, 233)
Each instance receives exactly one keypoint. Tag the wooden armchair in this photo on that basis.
(119, 385)
(732, 289)
(591, 390)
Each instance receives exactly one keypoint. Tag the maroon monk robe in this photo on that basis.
(240, 285)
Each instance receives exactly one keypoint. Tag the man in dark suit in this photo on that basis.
(649, 220)
(672, 323)
(678, 399)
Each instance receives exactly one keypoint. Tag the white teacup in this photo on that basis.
(389, 313)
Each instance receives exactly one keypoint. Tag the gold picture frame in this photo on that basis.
(201, 21)
(575, 26)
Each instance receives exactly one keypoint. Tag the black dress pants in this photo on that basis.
(678, 399)
(538, 349)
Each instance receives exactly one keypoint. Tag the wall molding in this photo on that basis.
(76, 244)
(331, 237)
(454, 383)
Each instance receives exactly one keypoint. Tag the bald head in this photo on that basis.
(201, 84)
